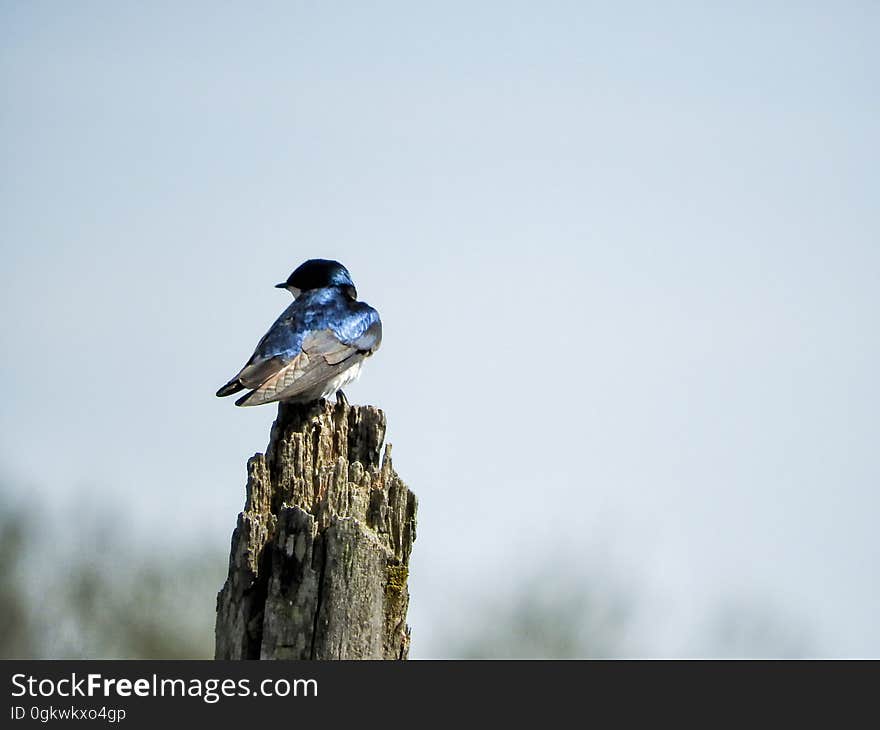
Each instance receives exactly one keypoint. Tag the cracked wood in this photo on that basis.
(320, 555)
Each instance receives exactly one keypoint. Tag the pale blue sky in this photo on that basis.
(626, 257)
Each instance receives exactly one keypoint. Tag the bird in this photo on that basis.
(318, 344)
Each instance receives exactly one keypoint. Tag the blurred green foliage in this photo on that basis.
(102, 597)
(549, 617)
(104, 601)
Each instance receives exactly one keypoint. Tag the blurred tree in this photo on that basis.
(136, 607)
(103, 597)
(744, 630)
(589, 616)
(549, 617)
(17, 630)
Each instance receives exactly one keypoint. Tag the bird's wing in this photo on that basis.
(275, 349)
(260, 369)
(324, 355)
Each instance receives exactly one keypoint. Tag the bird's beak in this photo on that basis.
(282, 285)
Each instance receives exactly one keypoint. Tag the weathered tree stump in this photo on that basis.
(320, 554)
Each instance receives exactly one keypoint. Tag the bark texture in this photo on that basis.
(320, 555)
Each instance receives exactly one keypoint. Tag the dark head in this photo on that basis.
(318, 274)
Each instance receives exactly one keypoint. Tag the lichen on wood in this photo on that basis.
(320, 555)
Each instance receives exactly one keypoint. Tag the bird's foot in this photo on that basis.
(340, 398)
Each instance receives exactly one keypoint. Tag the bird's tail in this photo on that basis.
(233, 386)
(243, 401)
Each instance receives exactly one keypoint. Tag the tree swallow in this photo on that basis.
(316, 346)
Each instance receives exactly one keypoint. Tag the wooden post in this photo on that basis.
(320, 554)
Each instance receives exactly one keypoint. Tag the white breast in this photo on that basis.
(341, 380)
